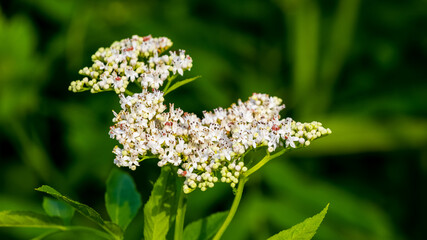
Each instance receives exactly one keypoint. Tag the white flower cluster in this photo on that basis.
(205, 150)
(136, 59)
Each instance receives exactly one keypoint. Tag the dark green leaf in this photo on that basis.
(56, 208)
(29, 219)
(179, 84)
(304, 230)
(122, 200)
(205, 228)
(85, 210)
(160, 206)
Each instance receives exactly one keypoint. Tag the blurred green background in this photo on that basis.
(357, 66)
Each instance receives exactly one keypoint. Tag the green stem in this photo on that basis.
(147, 157)
(180, 216)
(167, 85)
(263, 161)
(233, 209)
(128, 92)
(170, 79)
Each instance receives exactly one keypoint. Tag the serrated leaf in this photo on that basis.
(179, 84)
(160, 206)
(57, 208)
(122, 200)
(205, 228)
(85, 210)
(304, 230)
(29, 219)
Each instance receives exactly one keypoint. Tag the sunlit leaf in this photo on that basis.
(73, 234)
(29, 219)
(304, 230)
(297, 190)
(159, 208)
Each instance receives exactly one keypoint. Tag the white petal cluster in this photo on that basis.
(136, 59)
(205, 150)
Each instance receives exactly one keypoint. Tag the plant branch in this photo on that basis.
(233, 209)
(263, 161)
(128, 92)
(170, 79)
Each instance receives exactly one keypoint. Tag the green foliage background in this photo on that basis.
(357, 66)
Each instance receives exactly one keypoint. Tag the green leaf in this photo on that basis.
(160, 206)
(122, 200)
(179, 84)
(86, 211)
(304, 230)
(74, 232)
(56, 208)
(29, 219)
(205, 228)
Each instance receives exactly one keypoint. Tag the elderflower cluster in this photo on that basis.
(136, 59)
(205, 150)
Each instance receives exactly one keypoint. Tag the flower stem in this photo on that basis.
(233, 209)
(263, 161)
(128, 92)
(170, 79)
(180, 215)
(167, 86)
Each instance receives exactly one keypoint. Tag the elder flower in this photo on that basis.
(135, 59)
(204, 150)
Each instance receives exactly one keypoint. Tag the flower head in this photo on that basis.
(204, 150)
(136, 59)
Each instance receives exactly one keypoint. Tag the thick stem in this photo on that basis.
(180, 216)
(233, 209)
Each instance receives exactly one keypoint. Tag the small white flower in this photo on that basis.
(131, 74)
